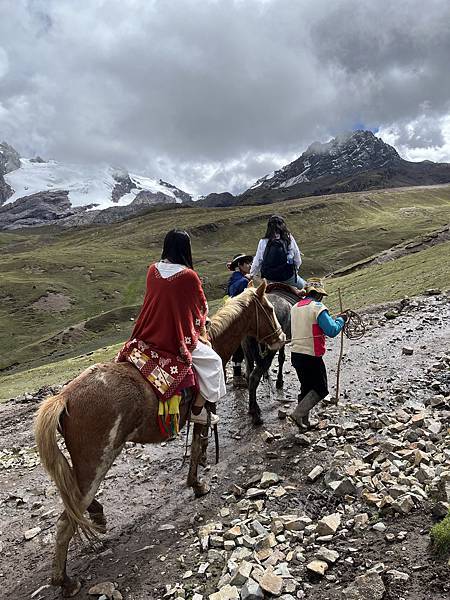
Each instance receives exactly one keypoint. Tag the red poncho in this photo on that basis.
(167, 330)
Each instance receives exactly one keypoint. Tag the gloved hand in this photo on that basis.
(344, 316)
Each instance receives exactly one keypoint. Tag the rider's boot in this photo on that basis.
(305, 404)
(202, 414)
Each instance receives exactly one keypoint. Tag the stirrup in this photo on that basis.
(202, 418)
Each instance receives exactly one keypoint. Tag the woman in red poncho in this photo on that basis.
(170, 322)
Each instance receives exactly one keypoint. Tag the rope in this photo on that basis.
(355, 327)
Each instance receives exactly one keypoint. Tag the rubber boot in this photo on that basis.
(301, 413)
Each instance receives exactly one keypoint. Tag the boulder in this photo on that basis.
(369, 586)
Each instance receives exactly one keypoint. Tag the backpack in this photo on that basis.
(275, 266)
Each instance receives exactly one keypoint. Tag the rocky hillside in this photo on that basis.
(9, 161)
(340, 512)
(348, 163)
(37, 192)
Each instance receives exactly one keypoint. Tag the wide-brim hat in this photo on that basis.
(237, 258)
(315, 284)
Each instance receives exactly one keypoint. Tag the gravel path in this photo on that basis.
(385, 395)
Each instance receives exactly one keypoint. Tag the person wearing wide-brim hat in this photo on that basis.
(238, 282)
(240, 265)
(310, 323)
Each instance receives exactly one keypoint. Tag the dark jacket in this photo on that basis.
(237, 284)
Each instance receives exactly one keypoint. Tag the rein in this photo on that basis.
(275, 330)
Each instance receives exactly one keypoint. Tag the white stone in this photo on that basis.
(369, 586)
(268, 479)
(315, 473)
(227, 592)
(329, 524)
(318, 567)
(329, 556)
(252, 591)
(32, 533)
(398, 575)
(271, 583)
(105, 588)
(241, 575)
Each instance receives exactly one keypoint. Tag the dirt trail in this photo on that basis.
(440, 236)
(145, 488)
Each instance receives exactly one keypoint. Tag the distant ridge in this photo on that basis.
(350, 162)
(35, 192)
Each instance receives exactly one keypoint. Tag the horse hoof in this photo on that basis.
(201, 489)
(70, 588)
(257, 420)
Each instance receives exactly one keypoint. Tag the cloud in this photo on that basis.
(423, 138)
(214, 94)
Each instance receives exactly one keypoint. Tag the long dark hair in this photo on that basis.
(277, 224)
(177, 248)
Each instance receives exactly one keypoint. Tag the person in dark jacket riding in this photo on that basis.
(240, 265)
(238, 282)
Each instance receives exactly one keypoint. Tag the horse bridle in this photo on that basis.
(275, 333)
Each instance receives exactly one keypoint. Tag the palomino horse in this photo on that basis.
(110, 404)
(258, 360)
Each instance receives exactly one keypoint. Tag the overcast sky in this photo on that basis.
(213, 94)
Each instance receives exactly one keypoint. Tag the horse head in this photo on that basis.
(267, 327)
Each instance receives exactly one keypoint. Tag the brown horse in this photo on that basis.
(110, 404)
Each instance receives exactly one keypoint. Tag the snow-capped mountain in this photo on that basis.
(37, 192)
(342, 156)
(348, 163)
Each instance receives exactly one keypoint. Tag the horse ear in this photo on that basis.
(251, 284)
(261, 288)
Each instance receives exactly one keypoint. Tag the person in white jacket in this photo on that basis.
(278, 256)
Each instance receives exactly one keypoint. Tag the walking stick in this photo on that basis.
(338, 372)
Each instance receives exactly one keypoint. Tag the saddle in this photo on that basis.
(288, 292)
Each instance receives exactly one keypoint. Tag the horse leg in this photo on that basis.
(90, 464)
(281, 358)
(254, 410)
(197, 448)
(247, 347)
(203, 460)
(64, 533)
(95, 510)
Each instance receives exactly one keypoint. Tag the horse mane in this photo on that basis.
(230, 311)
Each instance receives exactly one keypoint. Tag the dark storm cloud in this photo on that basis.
(214, 94)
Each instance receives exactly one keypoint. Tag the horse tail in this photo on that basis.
(46, 425)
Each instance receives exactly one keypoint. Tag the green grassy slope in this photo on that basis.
(409, 275)
(101, 269)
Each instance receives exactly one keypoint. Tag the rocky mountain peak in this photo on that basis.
(9, 158)
(353, 143)
(345, 155)
(9, 161)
